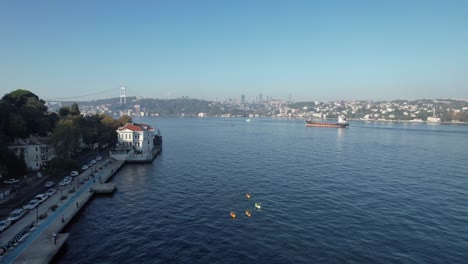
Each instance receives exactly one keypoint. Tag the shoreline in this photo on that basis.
(38, 245)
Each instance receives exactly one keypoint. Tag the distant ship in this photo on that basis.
(342, 123)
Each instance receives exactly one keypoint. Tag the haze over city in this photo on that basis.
(311, 50)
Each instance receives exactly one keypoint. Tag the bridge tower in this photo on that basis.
(123, 95)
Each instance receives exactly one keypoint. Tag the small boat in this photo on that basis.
(258, 205)
(248, 213)
(233, 215)
(247, 195)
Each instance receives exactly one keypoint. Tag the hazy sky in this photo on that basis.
(313, 50)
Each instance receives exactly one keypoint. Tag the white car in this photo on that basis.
(98, 158)
(51, 191)
(65, 181)
(49, 184)
(84, 167)
(32, 204)
(93, 162)
(11, 181)
(4, 224)
(41, 197)
(16, 215)
(74, 173)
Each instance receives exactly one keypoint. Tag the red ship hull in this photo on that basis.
(324, 124)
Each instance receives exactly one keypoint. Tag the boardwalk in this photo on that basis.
(39, 246)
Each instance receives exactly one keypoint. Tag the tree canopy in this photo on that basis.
(23, 114)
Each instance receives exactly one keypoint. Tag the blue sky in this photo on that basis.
(313, 50)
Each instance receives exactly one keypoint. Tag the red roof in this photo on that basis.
(135, 127)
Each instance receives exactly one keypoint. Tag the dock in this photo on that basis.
(104, 188)
(39, 245)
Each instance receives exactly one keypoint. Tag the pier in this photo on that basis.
(44, 240)
(104, 188)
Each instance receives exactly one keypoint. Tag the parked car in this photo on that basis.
(84, 167)
(51, 191)
(98, 158)
(67, 180)
(4, 224)
(16, 215)
(49, 184)
(74, 173)
(11, 181)
(32, 204)
(41, 197)
(93, 162)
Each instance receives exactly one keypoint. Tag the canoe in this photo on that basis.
(233, 215)
(248, 213)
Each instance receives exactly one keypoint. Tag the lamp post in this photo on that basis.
(37, 214)
(61, 195)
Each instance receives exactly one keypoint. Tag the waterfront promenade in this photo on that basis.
(39, 245)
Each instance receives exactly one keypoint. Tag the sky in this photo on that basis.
(309, 50)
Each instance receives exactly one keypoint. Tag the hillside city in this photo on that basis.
(423, 110)
(50, 136)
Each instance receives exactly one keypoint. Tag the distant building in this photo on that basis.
(35, 151)
(433, 118)
(243, 99)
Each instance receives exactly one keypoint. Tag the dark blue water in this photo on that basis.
(373, 193)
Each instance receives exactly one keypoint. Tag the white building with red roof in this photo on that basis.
(139, 142)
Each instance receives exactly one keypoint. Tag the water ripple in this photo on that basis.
(373, 193)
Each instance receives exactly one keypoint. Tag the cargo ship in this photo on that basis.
(342, 123)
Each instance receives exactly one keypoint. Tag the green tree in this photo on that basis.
(60, 166)
(74, 110)
(124, 120)
(25, 105)
(65, 138)
(15, 166)
(64, 111)
(17, 126)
